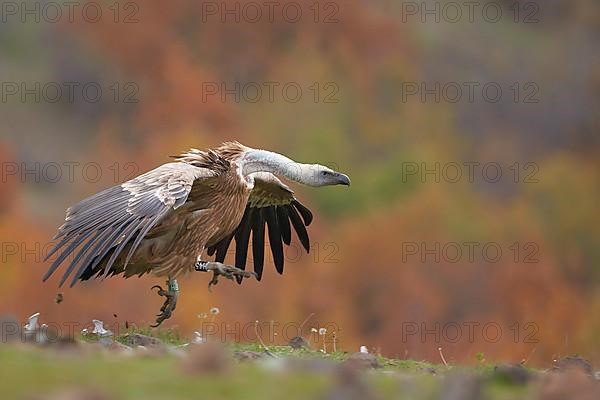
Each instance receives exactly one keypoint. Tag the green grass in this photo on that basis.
(169, 336)
(173, 337)
(27, 371)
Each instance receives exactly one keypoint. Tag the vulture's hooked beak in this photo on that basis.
(343, 179)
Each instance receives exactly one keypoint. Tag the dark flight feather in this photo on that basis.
(258, 242)
(299, 228)
(242, 237)
(277, 220)
(304, 212)
(222, 248)
(283, 219)
(274, 238)
(212, 249)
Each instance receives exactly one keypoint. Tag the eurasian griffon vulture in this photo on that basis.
(167, 219)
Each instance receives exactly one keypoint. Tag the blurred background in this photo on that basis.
(470, 133)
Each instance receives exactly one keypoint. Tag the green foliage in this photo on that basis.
(480, 357)
(169, 336)
(33, 371)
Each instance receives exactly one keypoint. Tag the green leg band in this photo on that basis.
(172, 285)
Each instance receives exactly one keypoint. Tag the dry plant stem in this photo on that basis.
(305, 321)
(272, 330)
(442, 356)
(261, 341)
(301, 328)
(334, 342)
(525, 361)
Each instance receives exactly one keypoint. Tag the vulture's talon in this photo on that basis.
(219, 269)
(171, 295)
(161, 291)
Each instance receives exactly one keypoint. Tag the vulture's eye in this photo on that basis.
(324, 173)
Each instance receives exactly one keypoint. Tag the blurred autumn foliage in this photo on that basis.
(358, 275)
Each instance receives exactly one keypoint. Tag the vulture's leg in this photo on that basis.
(171, 294)
(220, 269)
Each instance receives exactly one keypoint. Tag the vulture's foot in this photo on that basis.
(220, 269)
(171, 294)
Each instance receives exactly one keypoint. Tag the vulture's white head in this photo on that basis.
(252, 161)
(320, 175)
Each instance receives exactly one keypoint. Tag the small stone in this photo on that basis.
(573, 362)
(208, 358)
(105, 341)
(247, 356)
(512, 374)
(570, 383)
(119, 348)
(298, 342)
(137, 339)
(363, 360)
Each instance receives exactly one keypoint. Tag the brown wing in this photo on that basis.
(273, 204)
(110, 220)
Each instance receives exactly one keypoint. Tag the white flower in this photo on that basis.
(215, 311)
(84, 331)
(314, 330)
(363, 349)
(322, 331)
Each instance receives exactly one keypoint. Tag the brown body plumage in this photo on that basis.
(167, 219)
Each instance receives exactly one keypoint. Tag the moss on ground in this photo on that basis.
(28, 371)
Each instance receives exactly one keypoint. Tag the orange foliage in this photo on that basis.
(358, 276)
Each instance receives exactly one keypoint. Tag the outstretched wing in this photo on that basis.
(121, 215)
(272, 203)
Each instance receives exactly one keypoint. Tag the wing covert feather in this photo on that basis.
(119, 215)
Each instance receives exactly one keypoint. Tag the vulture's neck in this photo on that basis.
(266, 161)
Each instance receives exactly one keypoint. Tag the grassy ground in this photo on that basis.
(84, 370)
